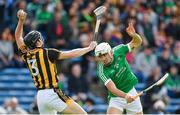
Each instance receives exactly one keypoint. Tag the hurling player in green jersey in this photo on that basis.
(114, 71)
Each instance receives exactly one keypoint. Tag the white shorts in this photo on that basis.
(51, 100)
(121, 103)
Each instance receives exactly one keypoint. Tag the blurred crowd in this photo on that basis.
(68, 24)
(11, 106)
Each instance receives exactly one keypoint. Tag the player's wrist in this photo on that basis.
(89, 48)
(21, 21)
(126, 96)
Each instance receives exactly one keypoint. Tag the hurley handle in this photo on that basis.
(139, 94)
(96, 30)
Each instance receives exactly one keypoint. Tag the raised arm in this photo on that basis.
(136, 38)
(77, 52)
(19, 29)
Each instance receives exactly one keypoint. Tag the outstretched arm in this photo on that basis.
(136, 38)
(77, 52)
(19, 29)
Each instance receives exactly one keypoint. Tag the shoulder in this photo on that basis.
(54, 50)
(100, 64)
(23, 49)
(122, 49)
(118, 47)
(53, 54)
(51, 49)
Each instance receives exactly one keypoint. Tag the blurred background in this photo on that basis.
(68, 24)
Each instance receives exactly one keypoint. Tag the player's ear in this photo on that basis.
(96, 59)
(111, 52)
(37, 43)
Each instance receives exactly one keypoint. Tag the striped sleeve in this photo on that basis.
(101, 75)
(22, 50)
(53, 54)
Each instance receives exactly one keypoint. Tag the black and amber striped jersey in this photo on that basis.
(41, 64)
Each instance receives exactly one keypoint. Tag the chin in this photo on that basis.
(106, 63)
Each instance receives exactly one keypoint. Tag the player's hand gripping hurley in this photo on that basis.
(99, 13)
(159, 82)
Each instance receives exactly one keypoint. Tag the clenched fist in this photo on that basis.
(21, 15)
(130, 29)
(129, 98)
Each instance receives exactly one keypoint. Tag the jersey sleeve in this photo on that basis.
(22, 52)
(53, 54)
(122, 49)
(105, 79)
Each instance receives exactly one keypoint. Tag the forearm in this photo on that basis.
(19, 30)
(79, 52)
(113, 89)
(19, 33)
(136, 41)
(118, 93)
(74, 53)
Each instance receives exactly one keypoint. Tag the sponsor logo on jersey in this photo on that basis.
(120, 71)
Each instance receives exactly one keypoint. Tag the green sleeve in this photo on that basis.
(122, 49)
(105, 79)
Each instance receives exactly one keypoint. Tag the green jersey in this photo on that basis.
(118, 71)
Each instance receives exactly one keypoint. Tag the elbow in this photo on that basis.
(140, 41)
(16, 37)
(137, 43)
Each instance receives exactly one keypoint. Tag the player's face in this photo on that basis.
(39, 43)
(106, 58)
